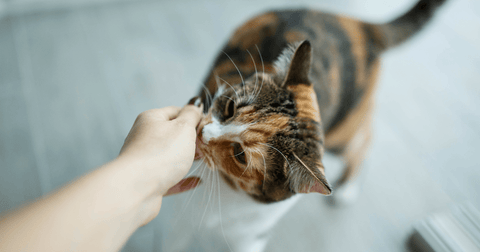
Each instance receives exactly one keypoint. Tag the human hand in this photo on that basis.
(101, 210)
(162, 143)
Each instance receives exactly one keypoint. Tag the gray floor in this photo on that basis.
(73, 80)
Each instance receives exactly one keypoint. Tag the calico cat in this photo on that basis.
(288, 86)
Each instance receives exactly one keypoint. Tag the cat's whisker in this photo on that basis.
(208, 96)
(208, 178)
(201, 178)
(214, 184)
(217, 78)
(238, 70)
(263, 72)
(244, 170)
(249, 163)
(256, 76)
(219, 86)
(230, 86)
(207, 102)
(264, 166)
(206, 207)
(238, 154)
(277, 151)
(196, 168)
(184, 207)
(205, 192)
(220, 212)
(230, 98)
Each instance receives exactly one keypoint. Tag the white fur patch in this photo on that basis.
(282, 64)
(220, 91)
(215, 130)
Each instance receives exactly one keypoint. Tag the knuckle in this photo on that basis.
(141, 117)
(145, 113)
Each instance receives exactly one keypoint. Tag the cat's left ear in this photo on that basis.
(300, 65)
(308, 177)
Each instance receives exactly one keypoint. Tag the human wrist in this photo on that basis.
(141, 192)
(141, 174)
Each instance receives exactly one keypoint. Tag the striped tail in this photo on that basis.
(401, 29)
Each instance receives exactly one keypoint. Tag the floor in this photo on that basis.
(73, 80)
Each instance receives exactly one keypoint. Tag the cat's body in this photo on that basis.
(340, 64)
(344, 68)
(288, 86)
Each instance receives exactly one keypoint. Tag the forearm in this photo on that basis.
(98, 212)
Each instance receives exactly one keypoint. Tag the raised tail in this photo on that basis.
(399, 30)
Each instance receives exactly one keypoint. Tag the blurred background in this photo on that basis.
(75, 74)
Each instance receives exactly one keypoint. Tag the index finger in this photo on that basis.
(166, 113)
(191, 113)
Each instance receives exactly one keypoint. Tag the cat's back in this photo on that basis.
(273, 31)
(345, 54)
(343, 57)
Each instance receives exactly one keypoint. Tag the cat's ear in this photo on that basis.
(308, 177)
(300, 65)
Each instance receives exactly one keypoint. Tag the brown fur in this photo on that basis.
(306, 100)
(296, 99)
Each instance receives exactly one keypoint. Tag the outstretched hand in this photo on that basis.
(100, 210)
(164, 140)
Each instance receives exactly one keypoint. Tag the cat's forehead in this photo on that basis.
(247, 122)
(261, 77)
(250, 87)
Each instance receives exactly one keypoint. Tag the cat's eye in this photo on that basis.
(229, 109)
(239, 153)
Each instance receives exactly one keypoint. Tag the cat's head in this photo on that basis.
(265, 136)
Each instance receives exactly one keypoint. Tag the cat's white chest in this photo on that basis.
(218, 218)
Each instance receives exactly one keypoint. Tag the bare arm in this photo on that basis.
(99, 211)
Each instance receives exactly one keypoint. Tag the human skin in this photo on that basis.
(102, 209)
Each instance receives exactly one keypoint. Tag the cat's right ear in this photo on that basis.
(300, 65)
(308, 178)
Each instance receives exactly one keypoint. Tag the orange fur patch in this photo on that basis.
(242, 185)
(219, 152)
(252, 32)
(228, 180)
(356, 35)
(344, 132)
(294, 36)
(261, 131)
(306, 100)
(334, 75)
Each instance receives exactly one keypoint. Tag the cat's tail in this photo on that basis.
(399, 30)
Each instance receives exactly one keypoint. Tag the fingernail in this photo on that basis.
(196, 101)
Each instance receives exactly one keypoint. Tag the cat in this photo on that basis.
(288, 86)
